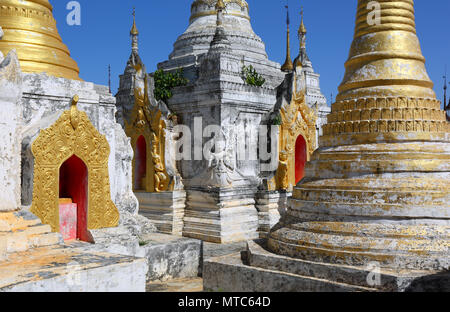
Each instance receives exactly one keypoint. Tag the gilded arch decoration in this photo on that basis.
(147, 121)
(72, 134)
(297, 118)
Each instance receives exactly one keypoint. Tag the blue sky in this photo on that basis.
(103, 37)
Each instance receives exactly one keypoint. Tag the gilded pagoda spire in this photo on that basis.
(302, 59)
(288, 66)
(377, 188)
(386, 87)
(385, 57)
(302, 29)
(30, 28)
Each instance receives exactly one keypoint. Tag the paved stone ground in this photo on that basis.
(211, 250)
(178, 285)
(195, 284)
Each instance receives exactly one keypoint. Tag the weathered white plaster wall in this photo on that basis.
(10, 120)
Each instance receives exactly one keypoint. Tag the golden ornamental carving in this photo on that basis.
(297, 119)
(147, 121)
(72, 134)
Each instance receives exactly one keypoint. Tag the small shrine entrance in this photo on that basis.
(71, 190)
(140, 167)
(297, 140)
(301, 157)
(73, 199)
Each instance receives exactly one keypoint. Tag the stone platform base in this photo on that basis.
(167, 256)
(171, 257)
(257, 270)
(165, 210)
(271, 206)
(221, 216)
(65, 269)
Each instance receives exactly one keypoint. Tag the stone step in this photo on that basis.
(395, 254)
(61, 269)
(31, 237)
(156, 216)
(394, 197)
(160, 209)
(259, 257)
(44, 240)
(16, 221)
(230, 274)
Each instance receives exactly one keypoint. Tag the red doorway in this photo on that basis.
(300, 158)
(73, 194)
(140, 165)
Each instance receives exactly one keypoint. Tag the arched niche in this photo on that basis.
(301, 156)
(140, 166)
(147, 122)
(73, 199)
(72, 134)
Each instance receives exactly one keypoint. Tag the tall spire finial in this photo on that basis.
(302, 31)
(220, 41)
(134, 33)
(109, 77)
(288, 66)
(445, 87)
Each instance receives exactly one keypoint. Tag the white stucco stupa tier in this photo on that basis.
(196, 40)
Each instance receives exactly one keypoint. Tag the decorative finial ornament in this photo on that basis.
(74, 112)
(302, 57)
(220, 5)
(220, 41)
(302, 31)
(134, 33)
(288, 66)
(302, 28)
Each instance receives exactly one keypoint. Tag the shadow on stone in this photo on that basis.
(433, 283)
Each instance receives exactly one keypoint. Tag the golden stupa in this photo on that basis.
(377, 188)
(30, 28)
